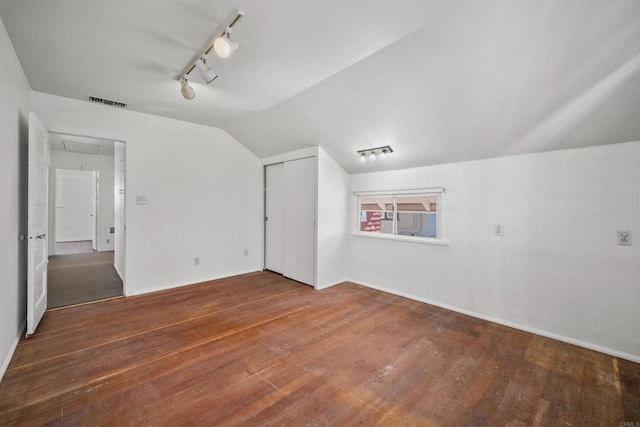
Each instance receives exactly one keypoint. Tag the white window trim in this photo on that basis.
(412, 239)
(402, 192)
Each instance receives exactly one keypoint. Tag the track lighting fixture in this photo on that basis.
(186, 90)
(373, 153)
(221, 43)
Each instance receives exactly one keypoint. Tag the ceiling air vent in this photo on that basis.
(107, 102)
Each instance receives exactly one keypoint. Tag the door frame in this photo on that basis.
(123, 249)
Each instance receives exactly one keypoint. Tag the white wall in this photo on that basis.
(88, 162)
(557, 270)
(14, 113)
(203, 188)
(333, 188)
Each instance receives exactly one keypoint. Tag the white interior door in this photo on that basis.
(274, 219)
(38, 213)
(299, 220)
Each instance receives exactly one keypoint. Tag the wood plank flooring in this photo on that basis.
(259, 349)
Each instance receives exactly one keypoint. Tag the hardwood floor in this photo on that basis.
(259, 349)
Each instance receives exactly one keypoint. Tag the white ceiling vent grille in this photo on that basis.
(107, 102)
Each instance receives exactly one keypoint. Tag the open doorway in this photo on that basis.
(84, 193)
(76, 210)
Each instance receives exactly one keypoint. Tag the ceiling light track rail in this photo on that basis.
(221, 31)
(374, 153)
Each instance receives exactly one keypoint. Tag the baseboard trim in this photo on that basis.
(328, 285)
(181, 284)
(515, 325)
(12, 349)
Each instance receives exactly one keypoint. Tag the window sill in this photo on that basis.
(423, 240)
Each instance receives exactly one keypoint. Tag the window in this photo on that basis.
(410, 215)
(376, 214)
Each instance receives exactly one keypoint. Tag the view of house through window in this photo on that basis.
(401, 215)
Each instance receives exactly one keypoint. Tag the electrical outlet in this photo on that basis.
(196, 261)
(246, 252)
(141, 200)
(624, 237)
(498, 230)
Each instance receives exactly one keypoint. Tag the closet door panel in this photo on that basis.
(274, 223)
(299, 219)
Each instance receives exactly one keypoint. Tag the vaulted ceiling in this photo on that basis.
(439, 81)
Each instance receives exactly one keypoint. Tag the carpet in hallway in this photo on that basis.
(79, 278)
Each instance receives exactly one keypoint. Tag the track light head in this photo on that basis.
(223, 45)
(186, 90)
(207, 73)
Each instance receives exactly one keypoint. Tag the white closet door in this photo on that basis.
(274, 221)
(299, 220)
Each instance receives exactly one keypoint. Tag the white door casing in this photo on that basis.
(38, 215)
(94, 206)
(119, 207)
(274, 221)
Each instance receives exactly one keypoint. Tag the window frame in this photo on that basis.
(394, 194)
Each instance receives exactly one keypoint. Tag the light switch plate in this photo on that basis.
(141, 200)
(624, 237)
(498, 230)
